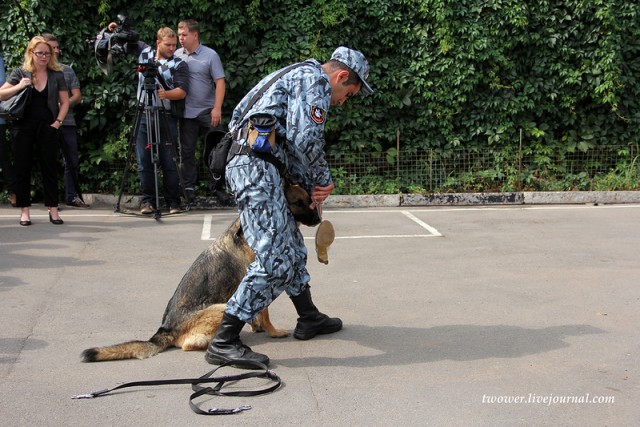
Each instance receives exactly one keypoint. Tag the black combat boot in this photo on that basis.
(311, 322)
(226, 345)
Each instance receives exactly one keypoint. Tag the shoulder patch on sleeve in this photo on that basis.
(318, 114)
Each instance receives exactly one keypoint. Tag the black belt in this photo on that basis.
(241, 148)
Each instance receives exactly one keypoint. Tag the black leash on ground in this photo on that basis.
(257, 370)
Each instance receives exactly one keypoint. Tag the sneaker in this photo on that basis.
(146, 209)
(77, 203)
(175, 210)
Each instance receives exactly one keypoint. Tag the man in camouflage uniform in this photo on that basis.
(299, 100)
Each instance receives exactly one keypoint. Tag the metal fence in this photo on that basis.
(463, 170)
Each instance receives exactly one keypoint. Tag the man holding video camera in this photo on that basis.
(171, 75)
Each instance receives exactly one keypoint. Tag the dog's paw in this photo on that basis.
(278, 333)
(256, 328)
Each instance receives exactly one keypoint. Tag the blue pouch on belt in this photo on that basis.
(262, 133)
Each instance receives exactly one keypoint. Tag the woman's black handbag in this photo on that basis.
(13, 108)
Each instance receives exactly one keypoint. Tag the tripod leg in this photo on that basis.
(132, 143)
(154, 140)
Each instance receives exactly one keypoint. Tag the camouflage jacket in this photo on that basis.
(300, 101)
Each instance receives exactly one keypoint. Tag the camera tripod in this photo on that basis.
(151, 108)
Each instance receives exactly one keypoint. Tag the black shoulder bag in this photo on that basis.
(13, 108)
(219, 143)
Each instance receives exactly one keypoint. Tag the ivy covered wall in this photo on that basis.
(447, 73)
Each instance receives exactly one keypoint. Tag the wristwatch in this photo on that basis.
(59, 121)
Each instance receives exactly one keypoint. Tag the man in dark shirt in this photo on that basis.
(69, 131)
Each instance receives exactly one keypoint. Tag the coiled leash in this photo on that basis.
(257, 370)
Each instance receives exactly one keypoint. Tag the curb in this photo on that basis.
(486, 199)
(133, 202)
(524, 198)
(441, 199)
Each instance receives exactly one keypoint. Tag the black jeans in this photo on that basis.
(71, 162)
(190, 129)
(146, 171)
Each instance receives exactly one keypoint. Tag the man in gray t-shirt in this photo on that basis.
(203, 104)
(68, 129)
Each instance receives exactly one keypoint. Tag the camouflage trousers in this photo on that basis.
(272, 233)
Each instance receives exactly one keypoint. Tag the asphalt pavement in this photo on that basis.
(456, 316)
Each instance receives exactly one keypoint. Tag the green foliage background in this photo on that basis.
(447, 73)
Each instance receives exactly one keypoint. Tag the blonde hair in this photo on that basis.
(52, 65)
(165, 32)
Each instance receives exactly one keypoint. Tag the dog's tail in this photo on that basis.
(161, 341)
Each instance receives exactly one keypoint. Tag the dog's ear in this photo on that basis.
(239, 234)
(296, 196)
(299, 201)
(236, 230)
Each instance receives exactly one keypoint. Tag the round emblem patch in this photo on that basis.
(318, 115)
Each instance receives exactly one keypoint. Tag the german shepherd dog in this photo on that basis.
(195, 311)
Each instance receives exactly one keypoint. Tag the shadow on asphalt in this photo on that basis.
(405, 346)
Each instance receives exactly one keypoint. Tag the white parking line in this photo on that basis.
(433, 232)
(383, 236)
(208, 221)
(206, 228)
(423, 224)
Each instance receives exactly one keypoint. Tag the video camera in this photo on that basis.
(120, 42)
(149, 72)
